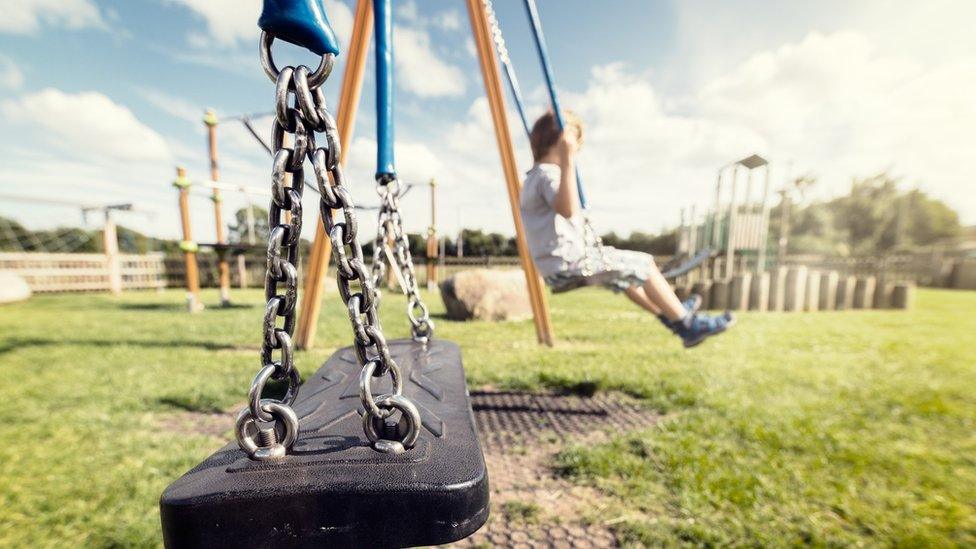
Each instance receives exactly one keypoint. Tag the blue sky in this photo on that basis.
(100, 100)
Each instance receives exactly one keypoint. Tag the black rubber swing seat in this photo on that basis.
(333, 489)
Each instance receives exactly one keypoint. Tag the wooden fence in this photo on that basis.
(50, 272)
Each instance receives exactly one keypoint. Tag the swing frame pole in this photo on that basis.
(493, 89)
(321, 252)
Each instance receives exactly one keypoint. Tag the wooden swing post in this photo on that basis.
(352, 84)
(493, 89)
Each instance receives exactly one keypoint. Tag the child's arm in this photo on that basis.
(566, 203)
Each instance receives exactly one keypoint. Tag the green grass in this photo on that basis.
(825, 429)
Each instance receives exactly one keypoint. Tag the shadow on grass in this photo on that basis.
(200, 403)
(178, 307)
(152, 306)
(18, 343)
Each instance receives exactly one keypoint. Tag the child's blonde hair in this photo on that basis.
(545, 132)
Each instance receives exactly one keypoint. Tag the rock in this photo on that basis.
(13, 288)
(484, 294)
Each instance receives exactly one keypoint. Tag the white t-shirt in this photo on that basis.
(556, 243)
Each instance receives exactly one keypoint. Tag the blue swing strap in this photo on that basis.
(540, 46)
(589, 233)
(383, 24)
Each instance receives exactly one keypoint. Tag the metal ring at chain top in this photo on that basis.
(315, 80)
(389, 403)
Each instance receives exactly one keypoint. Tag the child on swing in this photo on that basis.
(554, 228)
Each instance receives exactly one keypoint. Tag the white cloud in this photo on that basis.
(831, 103)
(420, 70)
(448, 20)
(11, 76)
(172, 105)
(87, 124)
(27, 16)
(842, 108)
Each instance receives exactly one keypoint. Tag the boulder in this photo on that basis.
(485, 294)
(13, 287)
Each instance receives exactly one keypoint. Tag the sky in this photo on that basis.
(101, 99)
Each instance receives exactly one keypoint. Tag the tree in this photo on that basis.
(238, 231)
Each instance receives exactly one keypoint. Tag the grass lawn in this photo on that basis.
(822, 428)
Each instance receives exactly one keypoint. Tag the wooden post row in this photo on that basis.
(352, 83)
(493, 89)
(188, 246)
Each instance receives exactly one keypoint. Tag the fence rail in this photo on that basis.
(54, 272)
(64, 272)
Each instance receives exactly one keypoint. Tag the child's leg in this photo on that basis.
(659, 292)
(637, 295)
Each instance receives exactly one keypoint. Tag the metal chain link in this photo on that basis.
(301, 112)
(389, 226)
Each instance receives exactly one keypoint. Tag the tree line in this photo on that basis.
(874, 218)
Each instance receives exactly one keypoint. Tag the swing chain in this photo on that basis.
(591, 239)
(496, 32)
(301, 112)
(390, 227)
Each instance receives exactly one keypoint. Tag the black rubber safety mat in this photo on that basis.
(334, 490)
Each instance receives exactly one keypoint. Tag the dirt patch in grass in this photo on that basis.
(521, 434)
(213, 424)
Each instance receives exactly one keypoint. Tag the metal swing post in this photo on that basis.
(493, 89)
(321, 252)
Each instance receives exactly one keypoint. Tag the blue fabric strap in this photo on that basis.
(300, 22)
(385, 166)
(540, 45)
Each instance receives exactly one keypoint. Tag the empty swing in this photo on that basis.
(595, 272)
(378, 447)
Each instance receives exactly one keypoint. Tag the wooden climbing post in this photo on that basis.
(493, 89)
(210, 121)
(352, 84)
(733, 214)
(432, 239)
(188, 246)
(110, 244)
(764, 225)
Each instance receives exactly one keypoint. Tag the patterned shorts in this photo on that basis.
(622, 269)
